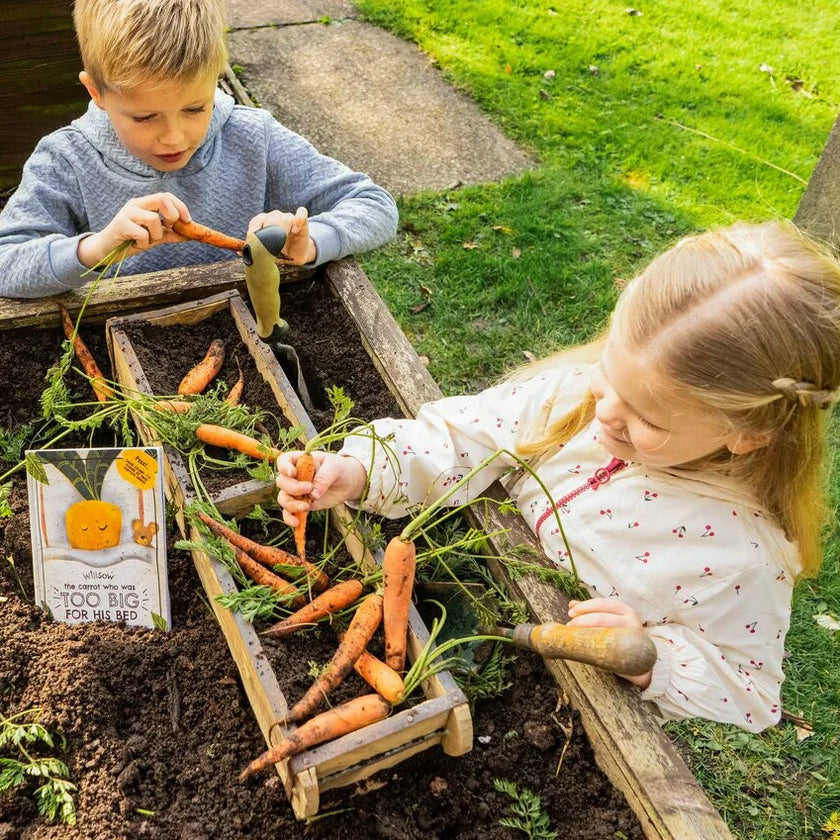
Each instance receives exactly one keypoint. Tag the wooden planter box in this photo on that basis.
(442, 718)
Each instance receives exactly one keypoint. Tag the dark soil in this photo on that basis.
(158, 725)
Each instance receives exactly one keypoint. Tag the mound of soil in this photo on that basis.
(158, 726)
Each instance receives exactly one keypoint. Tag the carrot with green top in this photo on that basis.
(202, 233)
(269, 555)
(85, 357)
(200, 376)
(259, 574)
(230, 439)
(327, 603)
(397, 585)
(383, 680)
(341, 720)
(367, 618)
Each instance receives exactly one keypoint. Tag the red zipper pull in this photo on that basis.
(603, 474)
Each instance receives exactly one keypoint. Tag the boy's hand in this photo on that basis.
(607, 612)
(338, 478)
(144, 221)
(299, 248)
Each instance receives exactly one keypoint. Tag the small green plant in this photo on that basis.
(527, 808)
(23, 737)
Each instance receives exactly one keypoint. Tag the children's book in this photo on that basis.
(99, 534)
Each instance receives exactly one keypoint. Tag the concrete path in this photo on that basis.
(365, 97)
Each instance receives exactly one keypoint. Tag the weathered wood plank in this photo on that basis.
(135, 292)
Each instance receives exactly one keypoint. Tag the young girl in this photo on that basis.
(686, 462)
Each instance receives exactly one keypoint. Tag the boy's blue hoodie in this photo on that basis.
(80, 176)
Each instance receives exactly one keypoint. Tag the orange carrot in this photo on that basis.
(334, 599)
(86, 360)
(259, 574)
(367, 618)
(397, 584)
(341, 720)
(178, 406)
(205, 371)
(235, 393)
(305, 472)
(383, 680)
(201, 233)
(230, 439)
(268, 555)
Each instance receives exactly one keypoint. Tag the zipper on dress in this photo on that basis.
(601, 476)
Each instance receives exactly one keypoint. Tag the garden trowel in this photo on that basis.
(263, 279)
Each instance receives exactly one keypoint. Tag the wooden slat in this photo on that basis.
(628, 742)
(135, 292)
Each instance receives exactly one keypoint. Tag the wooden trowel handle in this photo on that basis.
(618, 649)
(263, 280)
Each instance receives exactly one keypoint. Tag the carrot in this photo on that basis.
(341, 720)
(205, 371)
(86, 360)
(231, 439)
(305, 472)
(385, 681)
(235, 393)
(259, 574)
(334, 599)
(178, 406)
(269, 555)
(367, 618)
(397, 584)
(201, 233)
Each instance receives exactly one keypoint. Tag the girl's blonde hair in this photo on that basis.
(128, 42)
(744, 321)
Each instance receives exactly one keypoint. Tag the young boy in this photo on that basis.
(160, 142)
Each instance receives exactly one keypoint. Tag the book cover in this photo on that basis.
(98, 526)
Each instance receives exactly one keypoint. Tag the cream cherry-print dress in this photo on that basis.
(707, 572)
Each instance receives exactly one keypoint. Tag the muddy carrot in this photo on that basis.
(199, 377)
(202, 233)
(235, 393)
(86, 360)
(259, 574)
(383, 680)
(397, 584)
(230, 439)
(305, 472)
(341, 720)
(268, 555)
(334, 599)
(367, 618)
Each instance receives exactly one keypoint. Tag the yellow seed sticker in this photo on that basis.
(138, 468)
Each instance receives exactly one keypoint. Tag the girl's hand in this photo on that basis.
(608, 612)
(144, 221)
(338, 478)
(299, 248)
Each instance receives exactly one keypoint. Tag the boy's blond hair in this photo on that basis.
(744, 321)
(128, 42)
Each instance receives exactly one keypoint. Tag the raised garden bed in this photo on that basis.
(159, 726)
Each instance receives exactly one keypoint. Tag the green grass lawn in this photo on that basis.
(643, 127)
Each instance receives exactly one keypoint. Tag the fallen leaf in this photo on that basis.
(766, 68)
(802, 733)
(698, 67)
(502, 229)
(418, 307)
(798, 86)
(549, 74)
(544, 94)
(368, 786)
(516, 253)
(593, 70)
(227, 681)
(529, 355)
(508, 68)
(633, 12)
(827, 620)
(438, 786)
(426, 291)
(469, 246)
(424, 360)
